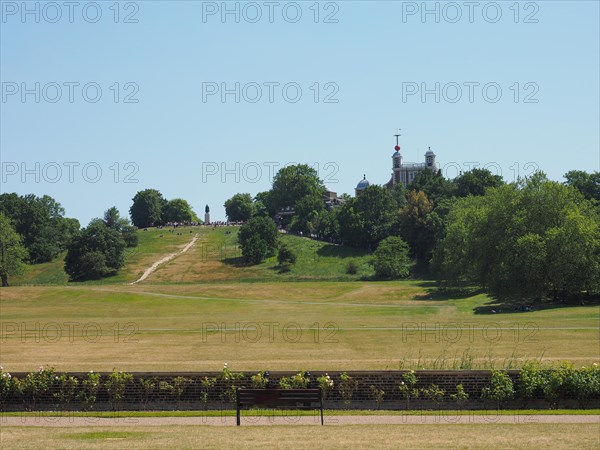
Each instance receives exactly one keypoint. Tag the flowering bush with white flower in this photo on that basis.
(408, 387)
(36, 385)
(325, 383)
(299, 381)
(232, 381)
(90, 385)
(6, 386)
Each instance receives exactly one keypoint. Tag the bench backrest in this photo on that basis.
(278, 397)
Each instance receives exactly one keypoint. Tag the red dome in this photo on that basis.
(397, 147)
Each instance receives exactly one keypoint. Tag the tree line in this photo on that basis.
(535, 237)
(33, 230)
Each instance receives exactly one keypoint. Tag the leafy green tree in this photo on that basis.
(586, 183)
(12, 252)
(147, 208)
(292, 183)
(39, 220)
(307, 210)
(379, 211)
(264, 204)
(434, 184)
(350, 224)
(97, 252)
(113, 219)
(239, 208)
(475, 182)
(366, 220)
(258, 239)
(326, 226)
(535, 238)
(399, 193)
(416, 225)
(391, 258)
(178, 210)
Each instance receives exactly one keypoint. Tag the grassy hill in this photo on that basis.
(206, 307)
(215, 257)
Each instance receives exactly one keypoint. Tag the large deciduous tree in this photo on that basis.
(147, 208)
(475, 182)
(113, 219)
(417, 227)
(535, 238)
(293, 183)
(366, 220)
(178, 210)
(586, 183)
(258, 238)
(97, 252)
(434, 184)
(391, 259)
(239, 208)
(40, 222)
(12, 251)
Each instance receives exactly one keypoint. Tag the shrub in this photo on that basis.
(115, 386)
(531, 378)
(325, 383)
(376, 394)
(205, 385)
(6, 387)
(299, 381)
(585, 383)
(460, 397)
(260, 380)
(36, 385)
(286, 255)
(148, 386)
(232, 381)
(408, 387)
(500, 390)
(435, 393)
(285, 267)
(352, 267)
(66, 389)
(556, 383)
(178, 385)
(346, 387)
(90, 385)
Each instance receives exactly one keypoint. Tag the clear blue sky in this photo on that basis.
(372, 57)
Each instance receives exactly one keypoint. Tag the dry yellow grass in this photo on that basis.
(525, 436)
(303, 326)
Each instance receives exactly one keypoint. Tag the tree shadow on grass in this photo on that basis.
(338, 251)
(237, 261)
(437, 293)
(498, 305)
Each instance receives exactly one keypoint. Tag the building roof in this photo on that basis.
(363, 184)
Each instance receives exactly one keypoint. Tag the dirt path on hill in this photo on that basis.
(447, 418)
(167, 258)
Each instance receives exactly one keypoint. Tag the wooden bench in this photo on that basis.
(275, 398)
